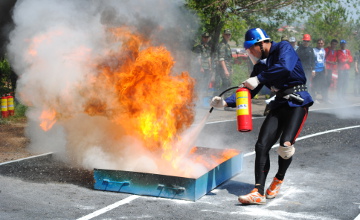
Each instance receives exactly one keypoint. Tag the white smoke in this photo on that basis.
(52, 49)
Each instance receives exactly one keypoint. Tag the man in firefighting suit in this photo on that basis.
(284, 75)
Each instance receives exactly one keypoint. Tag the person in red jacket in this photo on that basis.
(344, 58)
(331, 62)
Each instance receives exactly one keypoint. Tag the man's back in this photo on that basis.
(307, 56)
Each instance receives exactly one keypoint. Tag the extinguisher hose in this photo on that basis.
(222, 93)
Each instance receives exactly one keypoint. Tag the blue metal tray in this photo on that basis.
(166, 186)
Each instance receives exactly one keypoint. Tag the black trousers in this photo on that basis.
(285, 123)
(321, 84)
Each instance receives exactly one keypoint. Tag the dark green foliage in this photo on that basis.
(5, 74)
(334, 22)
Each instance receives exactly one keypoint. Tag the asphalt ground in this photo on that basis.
(321, 183)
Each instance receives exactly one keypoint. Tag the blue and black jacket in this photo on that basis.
(282, 70)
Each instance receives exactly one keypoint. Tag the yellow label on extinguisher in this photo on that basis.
(4, 106)
(242, 103)
(10, 104)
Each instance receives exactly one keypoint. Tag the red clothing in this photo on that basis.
(331, 58)
(344, 59)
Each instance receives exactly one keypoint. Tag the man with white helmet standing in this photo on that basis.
(288, 111)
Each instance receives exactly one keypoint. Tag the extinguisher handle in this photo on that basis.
(223, 92)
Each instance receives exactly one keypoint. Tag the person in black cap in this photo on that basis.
(284, 38)
(225, 62)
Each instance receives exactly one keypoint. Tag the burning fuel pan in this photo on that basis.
(173, 187)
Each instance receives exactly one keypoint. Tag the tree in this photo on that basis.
(239, 15)
(333, 22)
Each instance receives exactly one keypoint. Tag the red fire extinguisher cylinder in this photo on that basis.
(243, 110)
(4, 107)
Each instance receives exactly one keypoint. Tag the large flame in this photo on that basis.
(143, 94)
(135, 88)
(156, 105)
(102, 94)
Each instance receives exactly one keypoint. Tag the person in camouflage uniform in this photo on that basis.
(203, 52)
(225, 62)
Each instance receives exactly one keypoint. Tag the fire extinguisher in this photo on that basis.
(243, 110)
(10, 103)
(4, 107)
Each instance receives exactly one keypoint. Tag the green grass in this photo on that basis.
(20, 110)
(240, 73)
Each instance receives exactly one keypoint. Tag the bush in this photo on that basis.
(20, 110)
(5, 74)
(240, 73)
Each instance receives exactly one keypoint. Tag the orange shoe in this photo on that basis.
(274, 188)
(252, 198)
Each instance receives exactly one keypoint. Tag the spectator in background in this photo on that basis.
(203, 51)
(344, 59)
(284, 38)
(225, 61)
(320, 86)
(307, 56)
(292, 41)
(331, 60)
(357, 74)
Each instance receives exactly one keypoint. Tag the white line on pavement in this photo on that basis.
(96, 213)
(357, 218)
(312, 135)
(12, 161)
(109, 207)
(130, 198)
(133, 197)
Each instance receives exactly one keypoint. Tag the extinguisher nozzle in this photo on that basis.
(223, 92)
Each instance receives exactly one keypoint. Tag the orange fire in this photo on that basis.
(136, 88)
(150, 101)
(215, 159)
(47, 119)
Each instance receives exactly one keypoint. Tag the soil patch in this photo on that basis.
(13, 142)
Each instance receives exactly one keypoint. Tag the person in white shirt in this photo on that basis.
(320, 85)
